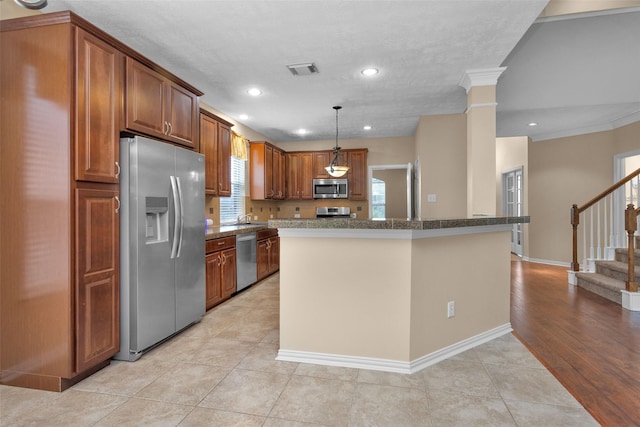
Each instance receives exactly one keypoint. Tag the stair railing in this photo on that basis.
(598, 230)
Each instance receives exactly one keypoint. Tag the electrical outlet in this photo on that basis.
(255, 217)
(451, 308)
(296, 215)
(210, 210)
(431, 198)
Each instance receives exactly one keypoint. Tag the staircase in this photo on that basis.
(610, 276)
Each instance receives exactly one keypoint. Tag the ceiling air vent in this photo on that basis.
(303, 69)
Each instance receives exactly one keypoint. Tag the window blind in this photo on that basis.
(232, 207)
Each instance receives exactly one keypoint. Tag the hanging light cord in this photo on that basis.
(336, 150)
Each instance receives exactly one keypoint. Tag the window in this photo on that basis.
(378, 199)
(232, 207)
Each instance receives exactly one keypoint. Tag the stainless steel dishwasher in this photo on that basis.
(246, 266)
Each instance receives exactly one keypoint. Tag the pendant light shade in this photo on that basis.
(334, 169)
(32, 4)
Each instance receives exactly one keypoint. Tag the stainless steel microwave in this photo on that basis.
(330, 189)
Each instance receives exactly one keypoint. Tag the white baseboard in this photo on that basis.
(547, 261)
(388, 365)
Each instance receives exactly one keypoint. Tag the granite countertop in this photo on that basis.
(397, 224)
(216, 232)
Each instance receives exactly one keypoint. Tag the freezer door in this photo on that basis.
(152, 289)
(190, 266)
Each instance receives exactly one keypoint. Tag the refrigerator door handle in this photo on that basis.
(177, 215)
(180, 220)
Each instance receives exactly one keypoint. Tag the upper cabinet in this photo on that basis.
(357, 174)
(266, 173)
(215, 144)
(98, 91)
(321, 159)
(299, 183)
(157, 106)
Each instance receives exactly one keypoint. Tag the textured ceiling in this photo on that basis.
(422, 48)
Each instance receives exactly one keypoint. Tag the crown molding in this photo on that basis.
(480, 77)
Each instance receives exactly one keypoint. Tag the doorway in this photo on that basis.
(623, 165)
(512, 199)
(397, 199)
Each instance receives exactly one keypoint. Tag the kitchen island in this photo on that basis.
(392, 295)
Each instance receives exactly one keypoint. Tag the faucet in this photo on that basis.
(246, 218)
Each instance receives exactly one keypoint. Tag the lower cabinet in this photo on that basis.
(220, 264)
(268, 252)
(97, 276)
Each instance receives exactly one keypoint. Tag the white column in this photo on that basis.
(481, 139)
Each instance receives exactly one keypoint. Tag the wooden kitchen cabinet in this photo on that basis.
(267, 252)
(98, 89)
(357, 174)
(220, 264)
(159, 107)
(215, 145)
(61, 83)
(299, 171)
(321, 159)
(97, 290)
(266, 171)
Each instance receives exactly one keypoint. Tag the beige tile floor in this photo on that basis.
(223, 372)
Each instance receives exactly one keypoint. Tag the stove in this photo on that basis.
(338, 212)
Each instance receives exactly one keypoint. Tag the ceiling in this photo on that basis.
(568, 75)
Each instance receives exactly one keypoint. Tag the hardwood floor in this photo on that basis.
(591, 345)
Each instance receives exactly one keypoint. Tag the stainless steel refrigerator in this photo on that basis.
(162, 227)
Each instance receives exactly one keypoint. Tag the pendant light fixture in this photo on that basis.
(334, 169)
(32, 4)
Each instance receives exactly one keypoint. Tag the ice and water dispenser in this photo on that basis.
(157, 219)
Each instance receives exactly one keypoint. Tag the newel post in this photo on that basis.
(575, 220)
(631, 225)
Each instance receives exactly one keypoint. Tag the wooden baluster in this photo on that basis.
(631, 225)
(575, 220)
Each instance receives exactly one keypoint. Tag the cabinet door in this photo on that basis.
(262, 255)
(268, 172)
(145, 95)
(357, 174)
(181, 115)
(209, 148)
(293, 176)
(228, 272)
(224, 160)
(98, 91)
(278, 174)
(274, 254)
(97, 297)
(305, 184)
(321, 159)
(213, 265)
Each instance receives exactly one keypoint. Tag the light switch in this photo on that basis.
(431, 198)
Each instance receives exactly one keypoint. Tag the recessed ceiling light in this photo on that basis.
(369, 72)
(302, 131)
(367, 127)
(254, 91)
(533, 124)
(243, 117)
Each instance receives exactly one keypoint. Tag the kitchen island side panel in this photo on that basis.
(345, 297)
